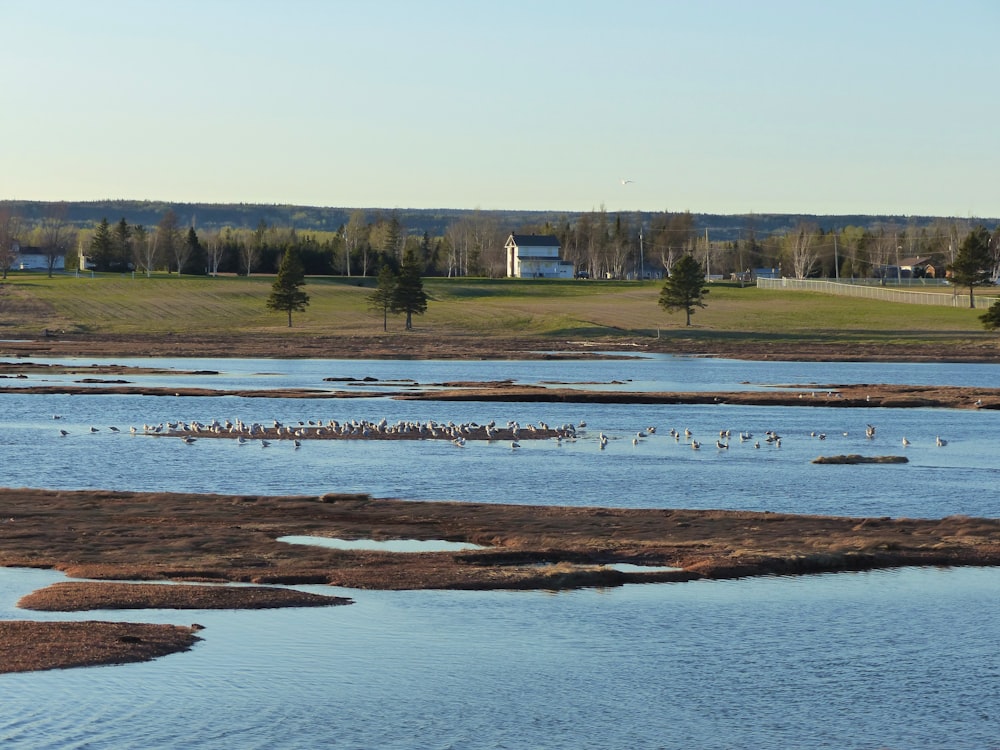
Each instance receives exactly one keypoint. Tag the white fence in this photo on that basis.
(954, 297)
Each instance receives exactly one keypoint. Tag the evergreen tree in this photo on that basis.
(285, 293)
(973, 263)
(195, 257)
(121, 240)
(409, 296)
(991, 318)
(684, 288)
(381, 298)
(101, 246)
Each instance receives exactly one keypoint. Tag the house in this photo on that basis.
(908, 268)
(536, 256)
(29, 258)
(918, 268)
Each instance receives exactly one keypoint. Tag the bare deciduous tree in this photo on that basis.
(803, 250)
(10, 233)
(144, 249)
(214, 250)
(459, 237)
(485, 253)
(882, 250)
(169, 240)
(355, 238)
(251, 248)
(56, 236)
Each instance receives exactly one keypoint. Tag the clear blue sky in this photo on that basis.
(731, 106)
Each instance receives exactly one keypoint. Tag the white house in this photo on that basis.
(27, 258)
(536, 256)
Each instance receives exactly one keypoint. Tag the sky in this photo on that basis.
(711, 106)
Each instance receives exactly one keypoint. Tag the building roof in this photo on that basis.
(535, 240)
(910, 262)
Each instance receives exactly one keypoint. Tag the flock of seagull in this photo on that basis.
(331, 429)
(457, 433)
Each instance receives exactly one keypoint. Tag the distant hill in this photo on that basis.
(434, 221)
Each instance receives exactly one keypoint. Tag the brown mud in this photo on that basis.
(128, 536)
(27, 646)
(433, 345)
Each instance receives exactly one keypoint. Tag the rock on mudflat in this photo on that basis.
(854, 458)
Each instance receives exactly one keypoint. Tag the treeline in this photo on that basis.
(600, 244)
(206, 217)
(359, 248)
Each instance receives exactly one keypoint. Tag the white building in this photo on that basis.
(536, 256)
(27, 258)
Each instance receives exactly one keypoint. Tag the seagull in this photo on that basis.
(626, 182)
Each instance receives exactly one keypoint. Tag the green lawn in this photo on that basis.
(114, 303)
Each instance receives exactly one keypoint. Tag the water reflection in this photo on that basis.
(388, 545)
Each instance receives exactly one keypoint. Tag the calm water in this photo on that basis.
(900, 659)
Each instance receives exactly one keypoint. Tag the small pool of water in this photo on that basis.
(389, 545)
(633, 568)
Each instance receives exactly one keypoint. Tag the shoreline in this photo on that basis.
(420, 344)
(867, 395)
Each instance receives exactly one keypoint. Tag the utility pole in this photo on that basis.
(708, 255)
(836, 260)
(642, 258)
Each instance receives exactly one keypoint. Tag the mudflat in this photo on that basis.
(158, 537)
(433, 345)
(117, 536)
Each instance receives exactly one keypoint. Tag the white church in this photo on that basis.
(536, 256)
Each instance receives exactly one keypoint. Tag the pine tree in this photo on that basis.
(285, 293)
(991, 318)
(101, 246)
(684, 288)
(195, 257)
(382, 296)
(409, 296)
(122, 241)
(973, 263)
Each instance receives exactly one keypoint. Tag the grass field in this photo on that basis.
(118, 304)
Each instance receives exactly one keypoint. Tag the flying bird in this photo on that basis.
(626, 181)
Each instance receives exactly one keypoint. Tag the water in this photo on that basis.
(887, 659)
(656, 473)
(645, 372)
(900, 659)
(389, 545)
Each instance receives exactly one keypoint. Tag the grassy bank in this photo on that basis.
(117, 304)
